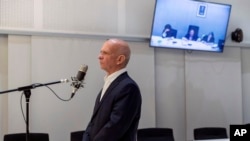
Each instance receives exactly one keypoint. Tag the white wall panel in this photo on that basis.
(16, 13)
(19, 74)
(3, 84)
(245, 84)
(213, 89)
(170, 92)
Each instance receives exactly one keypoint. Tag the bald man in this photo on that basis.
(117, 108)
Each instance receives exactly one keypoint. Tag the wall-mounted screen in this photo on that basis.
(190, 25)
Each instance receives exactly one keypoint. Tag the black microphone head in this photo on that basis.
(77, 81)
(81, 73)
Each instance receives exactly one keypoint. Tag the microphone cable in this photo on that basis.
(21, 104)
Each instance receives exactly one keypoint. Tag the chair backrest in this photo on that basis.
(195, 28)
(210, 133)
(22, 137)
(76, 136)
(155, 134)
(174, 32)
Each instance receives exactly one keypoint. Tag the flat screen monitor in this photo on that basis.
(190, 25)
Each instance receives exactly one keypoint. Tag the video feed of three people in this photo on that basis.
(190, 25)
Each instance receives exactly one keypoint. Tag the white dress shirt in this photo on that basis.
(109, 79)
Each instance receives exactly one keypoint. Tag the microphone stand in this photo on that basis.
(27, 92)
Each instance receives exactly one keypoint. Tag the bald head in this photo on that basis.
(120, 47)
(114, 55)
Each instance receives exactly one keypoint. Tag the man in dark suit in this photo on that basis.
(117, 108)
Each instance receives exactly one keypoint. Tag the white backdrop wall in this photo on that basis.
(3, 82)
(19, 74)
(123, 17)
(213, 83)
(170, 91)
(174, 84)
(245, 84)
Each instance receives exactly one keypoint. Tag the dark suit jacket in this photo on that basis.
(205, 38)
(116, 116)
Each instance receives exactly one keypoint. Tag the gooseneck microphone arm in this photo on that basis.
(27, 92)
(32, 86)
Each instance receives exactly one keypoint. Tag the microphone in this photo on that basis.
(78, 80)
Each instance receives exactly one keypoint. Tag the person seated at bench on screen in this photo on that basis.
(168, 32)
(209, 38)
(191, 35)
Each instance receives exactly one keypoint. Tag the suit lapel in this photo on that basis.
(108, 91)
(97, 101)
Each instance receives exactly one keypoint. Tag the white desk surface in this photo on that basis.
(184, 44)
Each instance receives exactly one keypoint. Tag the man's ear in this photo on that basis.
(120, 59)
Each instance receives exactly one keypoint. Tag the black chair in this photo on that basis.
(76, 136)
(195, 28)
(155, 134)
(196, 31)
(210, 133)
(22, 137)
(174, 32)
